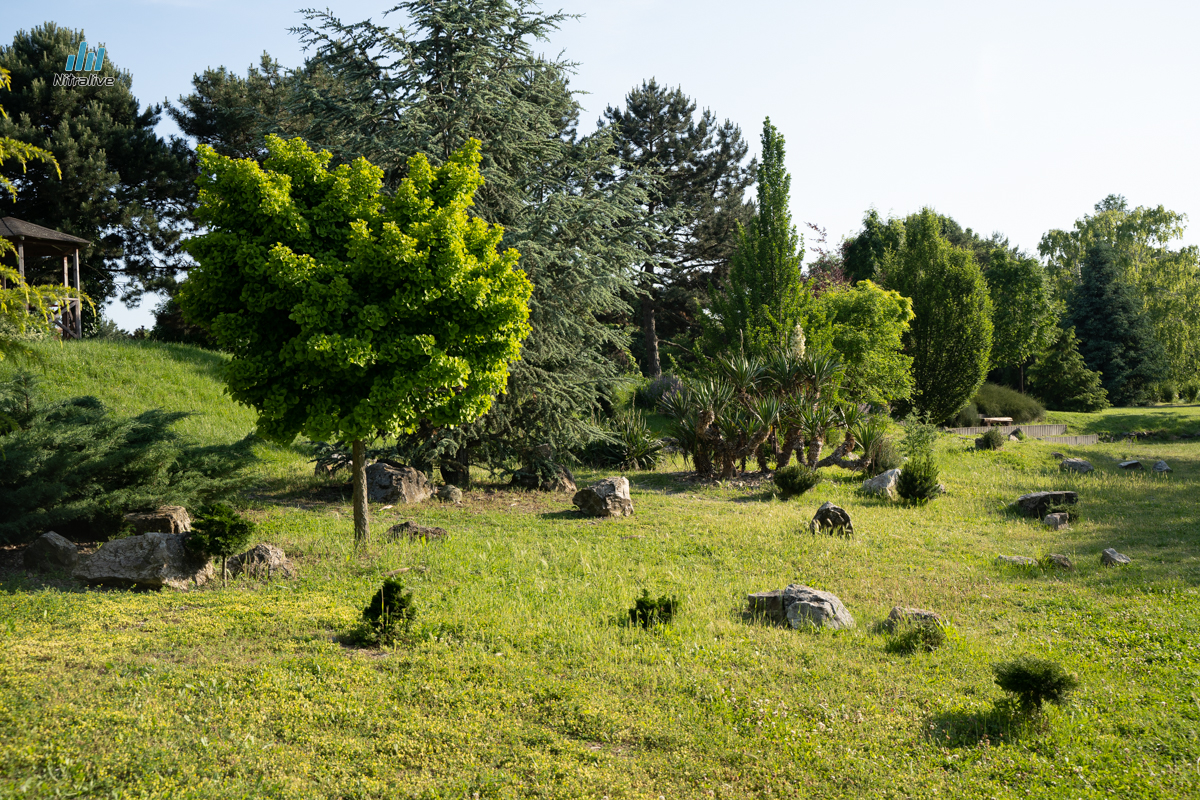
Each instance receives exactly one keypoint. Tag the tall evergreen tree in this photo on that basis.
(1116, 336)
(1060, 378)
(123, 187)
(764, 296)
(696, 200)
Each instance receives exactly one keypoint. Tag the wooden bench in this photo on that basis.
(990, 421)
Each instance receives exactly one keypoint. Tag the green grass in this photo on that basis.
(1172, 419)
(519, 678)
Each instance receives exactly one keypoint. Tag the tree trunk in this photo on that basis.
(653, 367)
(362, 530)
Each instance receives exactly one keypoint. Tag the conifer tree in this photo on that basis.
(1060, 378)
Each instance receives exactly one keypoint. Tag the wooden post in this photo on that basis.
(78, 302)
(64, 309)
(21, 262)
(362, 530)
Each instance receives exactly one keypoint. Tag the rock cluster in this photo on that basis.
(151, 561)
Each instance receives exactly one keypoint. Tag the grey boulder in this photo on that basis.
(262, 560)
(50, 552)
(449, 494)
(831, 519)
(1161, 467)
(1111, 558)
(1058, 561)
(883, 484)
(608, 498)
(1057, 521)
(1075, 465)
(902, 615)
(412, 531)
(388, 482)
(150, 561)
(1016, 561)
(1038, 504)
(812, 608)
(164, 519)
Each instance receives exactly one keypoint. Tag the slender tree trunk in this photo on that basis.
(362, 530)
(649, 333)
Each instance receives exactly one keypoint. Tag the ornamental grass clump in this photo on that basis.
(648, 611)
(1034, 681)
(390, 610)
(796, 480)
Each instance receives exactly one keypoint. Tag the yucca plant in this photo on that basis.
(815, 422)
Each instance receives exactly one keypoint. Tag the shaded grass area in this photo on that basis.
(518, 679)
(1170, 419)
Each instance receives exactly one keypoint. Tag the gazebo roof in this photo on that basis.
(40, 241)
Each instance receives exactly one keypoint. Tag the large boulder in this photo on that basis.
(883, 484)
(389, 482)
(262, 560)
(608, 498)
(1075, 465)
(809, 607)
(1038, 504)
(165, 519)
(150, 561)
(831, 519)
(50, 552)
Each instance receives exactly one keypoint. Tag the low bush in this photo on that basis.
(1034, 681)
(390, 610)
(648, 611)
(993, 439)
(653, 390)
(918, 480)
(993, 400)
(219, 532)
(796, 479)
(1168, 392)
(1190, 391)
(920, 637)
(629, 445)
(967, 417)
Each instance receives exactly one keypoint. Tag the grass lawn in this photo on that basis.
(518, 677)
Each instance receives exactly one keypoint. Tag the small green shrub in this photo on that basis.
(967, 417)
(918, 480)
(993, 439)
(920, 637)
(648, 611)
(1034, 681)
(1168, 392)
(218, 531)
(390, 609)
(919, 436)
(796, 479)
(1190, 391)
(629, 445)
(994, 400)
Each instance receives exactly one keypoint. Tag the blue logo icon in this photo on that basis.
(87, 60)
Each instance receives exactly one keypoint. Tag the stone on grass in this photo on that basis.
(1132, 464)
(1057, 521)
(151, 561)
(1161, 467)
(1076, 465)
(50, 552)
(608, 498)
(883, 484)
(809, 607)
(449, 494)
(263, 560)
(1057, 561)
(902, 615)
(1016, 561)
(1057, 455)
(1111, 558)
(389, 482)
(1038, 504)
(165, 519)
(831, 519)
(412, 531)
(1012, 437)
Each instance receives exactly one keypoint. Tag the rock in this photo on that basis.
(1057, 561)
(1056, 521)
(167, 519)
(50, 552)
(449, 494)
(883, 484)
(1038, 504)
(389, 482)
(808, 607)
(767, 604)
(413, 531)
(1012, 437)
(1076, 465)
(264, 560)
(900, 615)
(831, 519)
(1016, 561)
(1130, 465)
(1161, 467)
(940, 488)
(150, 561)
(551, 477)
(1056, 455)
(1111, 558)
(608, 498)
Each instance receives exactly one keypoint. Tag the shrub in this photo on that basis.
(993, 439)
(796, 479)
(967, 417)
(1168, 392)
(1061, 378)
(390, 609)
(1033, 681)
(919, 436)
(993, 400)
(1190, 391)
(884, 455)
(923, 637)
(918, 480)
(647, 611)
(630, 444)
(652, 391)
(219, 532)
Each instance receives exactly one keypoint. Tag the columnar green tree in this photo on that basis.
(950, 337)
(1023, 311)
(349, 313)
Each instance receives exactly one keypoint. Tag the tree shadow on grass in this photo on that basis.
(992, 725)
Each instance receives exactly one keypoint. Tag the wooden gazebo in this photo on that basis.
(38, 242)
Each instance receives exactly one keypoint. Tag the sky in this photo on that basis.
(1014, 117)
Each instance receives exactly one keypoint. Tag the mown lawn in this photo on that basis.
(518, 678)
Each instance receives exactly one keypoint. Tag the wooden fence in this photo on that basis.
(1035, 431)
(1089, 439)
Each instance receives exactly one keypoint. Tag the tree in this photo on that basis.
(348, 313)
(123, 188)
(695, 199)
(1061, 379)
(950, 337)
(765, 296)
(867, 326)
(1116, 336)
(863, 254)
(1166, 281)
(1023, 313)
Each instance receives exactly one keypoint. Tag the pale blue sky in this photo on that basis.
(1014, 117)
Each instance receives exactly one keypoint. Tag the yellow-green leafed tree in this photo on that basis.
(348, 312)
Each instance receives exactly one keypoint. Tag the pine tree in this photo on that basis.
(1061, 379)
(1116, 337)
(695, 200)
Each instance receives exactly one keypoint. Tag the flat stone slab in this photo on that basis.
(1130, 465)
(1038, 504)
(1075, 465)
(412, 531)
(1111, 558)
(1016, 561)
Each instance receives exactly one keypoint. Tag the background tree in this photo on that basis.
(695, 199)
(1061, 379)
(867, 327)
(764, 296)
(348, 313)
(1023, 312)
(1116, 338)
(123, 188)
(863, 253)
(950, 337)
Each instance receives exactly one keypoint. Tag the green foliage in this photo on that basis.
(1190, 391)
(648, 611)
(1023, 313)
(993, 439)
(919, 436)
(916, 637)
(867, 326)
(918, 480)
(652, 390)
(629, 445)
(796, 479)
(967, 417)
(1115, 336)
(390, 610)
(950, 337)
(219, 531)
(72, 467)
(994, 400)
(1061, 378)
(864, 254)
(1168, 392)
(1034, 681)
